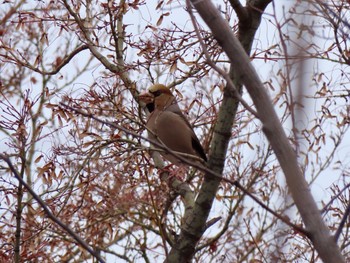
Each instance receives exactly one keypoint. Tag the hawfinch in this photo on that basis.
(167, 124)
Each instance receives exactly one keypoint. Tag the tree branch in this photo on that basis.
(64, 62)
(326, 207)
(342, 222)
(91, 45)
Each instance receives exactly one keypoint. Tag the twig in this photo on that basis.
(342, 222)
(64, 61)
(112, 67)
(48, 211)
(325, 208)
(254, 241)
(212, 222)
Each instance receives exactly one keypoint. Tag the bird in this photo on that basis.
(167, 123)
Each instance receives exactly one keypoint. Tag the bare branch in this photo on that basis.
(342, 222)
(64, 62)
(326, 207)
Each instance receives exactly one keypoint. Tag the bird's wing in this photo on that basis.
(196, 145)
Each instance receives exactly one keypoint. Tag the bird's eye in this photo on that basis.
(156, 93)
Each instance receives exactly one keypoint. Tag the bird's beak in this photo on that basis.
(146, 100)
(146, 97)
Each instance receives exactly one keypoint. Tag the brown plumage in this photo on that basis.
(169, 125)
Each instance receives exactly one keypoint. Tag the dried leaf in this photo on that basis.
(38, 158)
(160, 20)
(50, 105)
(173, 67)
(88, 144)
(152, 27)
(60, 122)
(37, 61)
(44, 39)
(178, 93)
(159, 4)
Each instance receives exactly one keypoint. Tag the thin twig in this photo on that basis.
(48, 211)
(325, 208)
(62, 63)
(254, 241)
(342, 222)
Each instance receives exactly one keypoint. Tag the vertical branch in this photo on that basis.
(19, 210)
(288, 66)
(118, 33)
(121, 34)
(17, 249)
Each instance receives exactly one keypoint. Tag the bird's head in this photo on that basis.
(158, 96)
(159, 89)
